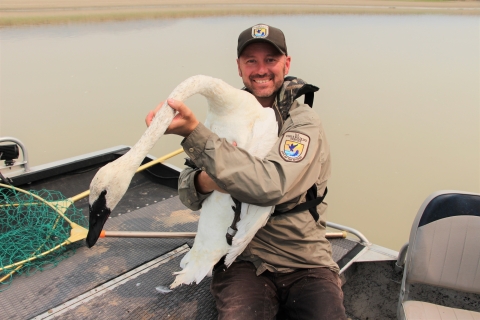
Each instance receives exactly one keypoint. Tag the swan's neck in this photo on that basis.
(215, 90)
(157, 128)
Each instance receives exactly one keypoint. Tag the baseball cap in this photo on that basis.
(262, 33)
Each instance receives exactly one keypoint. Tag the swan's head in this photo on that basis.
(106, 189)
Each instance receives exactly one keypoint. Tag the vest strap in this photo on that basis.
(308, 90)
(311, 204)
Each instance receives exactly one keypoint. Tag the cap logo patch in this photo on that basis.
(260, 31)
(294, 146)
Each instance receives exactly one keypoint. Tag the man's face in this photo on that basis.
(262, 68)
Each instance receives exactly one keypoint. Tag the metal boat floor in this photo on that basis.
(133, 296)
(116, 279)
(29, 296)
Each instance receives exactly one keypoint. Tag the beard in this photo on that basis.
(265, 92)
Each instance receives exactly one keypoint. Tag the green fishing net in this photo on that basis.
(29, 227)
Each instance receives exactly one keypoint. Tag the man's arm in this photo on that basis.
(193, 189)
(275, 179)
(249, 179)
(187, 191)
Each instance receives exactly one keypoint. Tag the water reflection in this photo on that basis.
(399, 97)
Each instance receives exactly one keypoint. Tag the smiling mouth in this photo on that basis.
(261, 81)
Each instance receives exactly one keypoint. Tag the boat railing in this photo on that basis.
(355, 232)
(22, 164)
(401, 258)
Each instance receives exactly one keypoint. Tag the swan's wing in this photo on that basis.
(210, 244)
(252, 218)
(264, 134)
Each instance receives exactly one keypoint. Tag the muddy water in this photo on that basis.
(399, 97)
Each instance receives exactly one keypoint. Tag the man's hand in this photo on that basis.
(184, 122)
(151, 114)
(204, 184)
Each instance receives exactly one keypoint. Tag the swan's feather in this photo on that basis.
(210, 244)
(252, 218)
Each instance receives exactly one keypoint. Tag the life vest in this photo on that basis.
(292, 89)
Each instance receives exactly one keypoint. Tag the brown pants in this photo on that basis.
(303, 294)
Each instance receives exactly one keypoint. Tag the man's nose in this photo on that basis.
(262, 68)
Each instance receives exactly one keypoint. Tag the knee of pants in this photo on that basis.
(316, 298)
(240, 294)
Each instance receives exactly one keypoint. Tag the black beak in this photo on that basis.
(98, 215)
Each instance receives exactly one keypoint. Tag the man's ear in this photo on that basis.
(238, 67)
(287, 64)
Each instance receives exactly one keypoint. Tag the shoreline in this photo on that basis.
(44, 12)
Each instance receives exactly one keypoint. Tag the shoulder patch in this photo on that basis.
(294, 146)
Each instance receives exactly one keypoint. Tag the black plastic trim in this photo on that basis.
(68, 167)
(450, 205)
(350, 255)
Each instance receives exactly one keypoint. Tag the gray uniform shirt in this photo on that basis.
(299, 158)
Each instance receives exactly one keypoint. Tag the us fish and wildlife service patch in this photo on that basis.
(260, 31)
(294, 146)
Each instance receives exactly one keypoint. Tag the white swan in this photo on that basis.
(233, 114)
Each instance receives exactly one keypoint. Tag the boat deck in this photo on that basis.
(116, 278)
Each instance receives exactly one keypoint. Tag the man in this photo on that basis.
(288, 265)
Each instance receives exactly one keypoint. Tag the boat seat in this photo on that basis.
(444, 251)
(425, 310)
